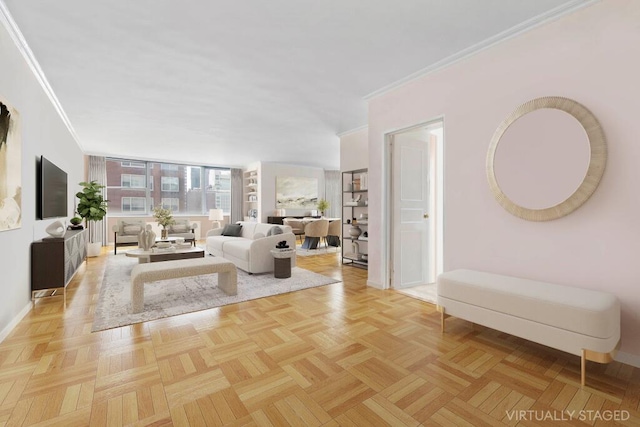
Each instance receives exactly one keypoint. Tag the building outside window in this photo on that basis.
(134, 204)
(133, 181)
(223, 201)
(170, 183)
(130, 164)
(185, 189)
(171, 203)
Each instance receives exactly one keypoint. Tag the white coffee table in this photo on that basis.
(151, 256)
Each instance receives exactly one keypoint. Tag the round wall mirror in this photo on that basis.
(546, 159)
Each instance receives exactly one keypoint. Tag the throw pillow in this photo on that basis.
(130, 230)
(274, 230)
(233, 230)
(258, 236)
(179, 228)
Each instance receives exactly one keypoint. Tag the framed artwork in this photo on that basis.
(10, 168)
(295, 192)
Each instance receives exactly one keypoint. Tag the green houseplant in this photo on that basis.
(91, 207)
(323, 205)
(164, 218)
(76, 223)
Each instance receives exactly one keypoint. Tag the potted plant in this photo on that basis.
(76, 223)
(164, 218)
(323, 205)
(91, 207)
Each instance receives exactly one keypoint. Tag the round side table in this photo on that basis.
(282, 262)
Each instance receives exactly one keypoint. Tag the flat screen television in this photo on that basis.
(52, 190)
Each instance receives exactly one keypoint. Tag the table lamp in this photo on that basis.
(216, 215)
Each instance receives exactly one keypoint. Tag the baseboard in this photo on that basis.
(629, 359)
(374, 284)
(14, 322)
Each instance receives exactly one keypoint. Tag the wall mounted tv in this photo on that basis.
(52, 190)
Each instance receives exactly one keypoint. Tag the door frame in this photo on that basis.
(387, 214)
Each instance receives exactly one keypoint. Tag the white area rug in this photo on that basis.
(320, 251)
(178, 296)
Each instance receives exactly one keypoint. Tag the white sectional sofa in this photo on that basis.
(251, 251)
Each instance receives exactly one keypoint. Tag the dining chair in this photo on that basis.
(319, 229)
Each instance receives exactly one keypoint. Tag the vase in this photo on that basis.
(355, 231)
(164, 233)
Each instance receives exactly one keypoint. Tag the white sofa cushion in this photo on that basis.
(219, 241)
(238, 248)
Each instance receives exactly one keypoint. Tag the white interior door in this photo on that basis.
(410, 213)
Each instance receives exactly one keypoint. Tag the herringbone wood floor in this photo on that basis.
(342, 354)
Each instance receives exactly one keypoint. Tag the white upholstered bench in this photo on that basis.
(145, 273)
(578, 321)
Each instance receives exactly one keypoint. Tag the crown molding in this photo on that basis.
(535, 22)
(354, 130)
(16, 35)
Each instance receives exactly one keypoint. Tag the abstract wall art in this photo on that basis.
(10, 168)
(296, 192)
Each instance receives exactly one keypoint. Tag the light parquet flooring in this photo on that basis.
(338, 355)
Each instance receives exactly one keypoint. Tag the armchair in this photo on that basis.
(183, 228)
(126, 233)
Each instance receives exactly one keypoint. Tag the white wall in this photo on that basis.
(589, 56)
(268, 174)
(43, 133)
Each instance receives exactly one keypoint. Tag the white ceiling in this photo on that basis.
(232, 82)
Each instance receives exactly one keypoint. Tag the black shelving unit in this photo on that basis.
(355, 187)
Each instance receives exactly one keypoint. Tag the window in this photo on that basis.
(171, 203)
(134, 204)
(129, 164)
(169, 183)
(188, 189)
(223, 201)
(132, 181)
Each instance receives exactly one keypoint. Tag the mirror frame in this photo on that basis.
(597, 161)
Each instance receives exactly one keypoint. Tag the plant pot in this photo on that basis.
(94, 249)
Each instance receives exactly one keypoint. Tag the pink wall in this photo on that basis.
(589, 56)
(354, 150)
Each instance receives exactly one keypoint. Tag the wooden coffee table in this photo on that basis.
(150, 256)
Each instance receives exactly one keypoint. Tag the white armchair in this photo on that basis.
(183, 228)
(126, 233)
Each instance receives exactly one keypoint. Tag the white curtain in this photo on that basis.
(332, 189)
(236, 196)
(98, 173)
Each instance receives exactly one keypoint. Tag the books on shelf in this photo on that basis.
(360, 182)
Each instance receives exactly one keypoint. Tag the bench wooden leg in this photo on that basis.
(442, 317)
(228, 282)
(583, 367)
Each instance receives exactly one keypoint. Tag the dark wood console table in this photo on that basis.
(54, 261)
(278, 219)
